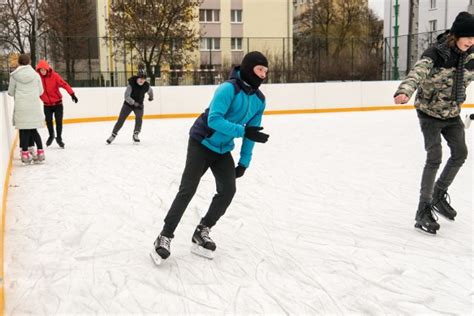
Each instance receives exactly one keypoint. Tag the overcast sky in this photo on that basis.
(377, 6)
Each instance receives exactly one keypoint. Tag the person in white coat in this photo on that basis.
(26, 88)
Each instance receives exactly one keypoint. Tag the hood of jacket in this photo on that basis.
(24, 74)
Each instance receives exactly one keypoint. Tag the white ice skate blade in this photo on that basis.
(157, 260)
(423, 231)
(202, 252)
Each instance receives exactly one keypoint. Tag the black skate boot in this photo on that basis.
(425, 220)
(441, 204)
(202, 243)
(49, 141)
(136, 140)
(111, 138)
(161, 249)
(60, 142)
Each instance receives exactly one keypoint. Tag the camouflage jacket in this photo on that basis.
(433, 76)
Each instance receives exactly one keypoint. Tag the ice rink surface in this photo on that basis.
(322, 223)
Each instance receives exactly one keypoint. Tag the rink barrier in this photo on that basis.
(270, 112)
(6, 184)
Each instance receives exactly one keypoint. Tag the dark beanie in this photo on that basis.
(141, 73)
(463, 25)
(249, 61)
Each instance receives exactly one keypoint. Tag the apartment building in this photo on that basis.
(228, 28)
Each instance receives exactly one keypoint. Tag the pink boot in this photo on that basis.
(40, 155)
(25, 157)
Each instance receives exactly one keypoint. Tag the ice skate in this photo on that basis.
(441, 204)
(26, 158)
(202, 244)
(39, 156)
(136, 140)
(32, 152)
(161, 249)
(111, 138)
(60, 142)
(424, 219)
(49, 141)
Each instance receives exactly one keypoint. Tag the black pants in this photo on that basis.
(58, 111)
(453, 132)
(30, 135)
(124, 113)
(199, 158)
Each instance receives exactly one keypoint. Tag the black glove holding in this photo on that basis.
(74, 98)
(150, 99)
(253, 133)
(239, 171)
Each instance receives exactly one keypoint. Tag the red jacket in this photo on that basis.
(52, 81)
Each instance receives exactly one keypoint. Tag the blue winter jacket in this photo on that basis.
(234, 106)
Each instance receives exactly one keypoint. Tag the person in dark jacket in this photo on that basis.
(134, 97)
(53, 100)
(441, 76)
(235, 112)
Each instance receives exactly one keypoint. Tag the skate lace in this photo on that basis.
(431, 213)
(444, 198)
(165, 242)
(205, 233)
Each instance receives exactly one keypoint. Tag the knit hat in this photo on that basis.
(249, 61)
(141, 73)
(463, 25)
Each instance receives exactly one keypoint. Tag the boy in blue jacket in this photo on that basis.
(235, 111)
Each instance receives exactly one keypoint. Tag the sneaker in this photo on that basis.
(40, 156)
(111, 138)
(425, 220)
(49, 141)
(32, 152)
(202, 239)
(162, 246)
(60, 142)
(25, 157)
(441, 204)
(135, 137)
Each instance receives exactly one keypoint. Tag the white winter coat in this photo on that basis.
(26, 87)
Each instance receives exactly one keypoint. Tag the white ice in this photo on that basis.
(322, 223)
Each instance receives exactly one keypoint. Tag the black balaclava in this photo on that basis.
(247, 74)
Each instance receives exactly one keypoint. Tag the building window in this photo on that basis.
(209, 15)
(433, 25)
(210, 43)
(236, 43)
(433, 4)
(236, 16)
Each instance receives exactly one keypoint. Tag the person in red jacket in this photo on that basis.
(52, 100)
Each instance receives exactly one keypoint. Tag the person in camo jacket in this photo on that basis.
(441, 76)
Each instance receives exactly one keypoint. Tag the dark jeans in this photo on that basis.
(199, 158)
(58, 111)
(124, 113)
(453, 132)
(30, 135)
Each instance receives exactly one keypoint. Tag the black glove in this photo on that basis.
(239, 171)
(252, 133)
(74, 98)
(150, 99)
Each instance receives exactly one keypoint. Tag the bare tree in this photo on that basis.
(337, 40)
(68, 23)
(18, 26)
(160, 31)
